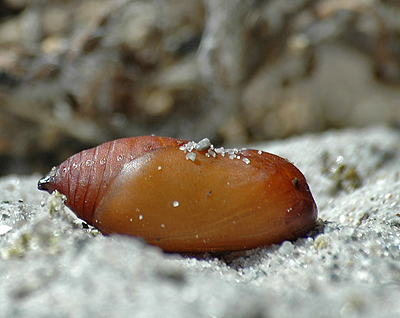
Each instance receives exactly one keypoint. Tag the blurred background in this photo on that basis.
(74, 74)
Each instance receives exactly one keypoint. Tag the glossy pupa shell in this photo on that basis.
(184, 196)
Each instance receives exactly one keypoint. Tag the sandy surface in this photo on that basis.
(53, 267)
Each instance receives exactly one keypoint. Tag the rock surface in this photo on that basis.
(53, 266)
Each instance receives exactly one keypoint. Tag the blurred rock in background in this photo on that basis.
(77, 73)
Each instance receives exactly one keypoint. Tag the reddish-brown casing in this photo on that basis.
(147, 187)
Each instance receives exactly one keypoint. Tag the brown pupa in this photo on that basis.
(185, 196)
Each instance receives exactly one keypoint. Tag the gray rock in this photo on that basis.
(53, 266)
